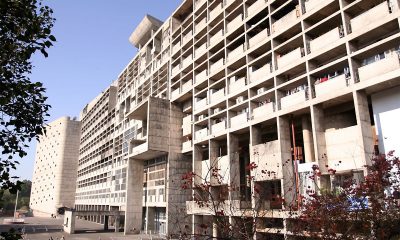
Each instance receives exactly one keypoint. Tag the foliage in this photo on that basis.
(7, 200)
(365, 210)
(25, 27)
(11, 235)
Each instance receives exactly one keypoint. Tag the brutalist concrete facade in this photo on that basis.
(56, 161)
(224, 84)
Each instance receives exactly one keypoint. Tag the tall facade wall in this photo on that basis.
(54, 177)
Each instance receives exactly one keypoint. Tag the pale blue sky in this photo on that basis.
(92, 49)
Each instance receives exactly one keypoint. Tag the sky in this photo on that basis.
(92, 49)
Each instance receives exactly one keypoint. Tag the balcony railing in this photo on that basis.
(187, 86)
(331, 85)
(201, 134)
(223, 170)
(187, 125)
(389, 63)
(326, 39)
(239, 119)
(217, 96)
(176, 47)
(235, 23)
(255, 7)
(267, 156)
(187, 36)
(187, 61)
(217, 37)
(290, 57)
(200, 50)
(206, 170)
(293, 99)
(237, 52)
(200, 25)
(187, 146)
(261, 73)
(373, 15)
(236, 84)
(286, 21)
(200, 104)
(175, 70)
(311, 4)
(201, 76)
(216, 11)
(175, 93)
(217, 65)
(218, 127)
(259, 37)
(199, 3)
(262, 111)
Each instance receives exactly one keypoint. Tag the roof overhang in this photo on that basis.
(142, 33)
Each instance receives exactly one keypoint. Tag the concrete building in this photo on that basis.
(54, 176)
(223, 84)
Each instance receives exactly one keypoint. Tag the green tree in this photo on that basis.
(25, 28)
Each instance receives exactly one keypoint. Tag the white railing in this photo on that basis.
(188, 36)
(176, 47)
(217, 10)
(261, 73)
(229, 2)
(187, 61)
(217, 65)
(186, 146)
(175, 70)
(263, 110)
(293, 99)
(187, 125)
(218, 127)
(325, 39)
(224, 169)
(311, 4)
(201, 76)
(255, 7)
(200, 25)
(286, 21)
(389, 63)
(218, 36)
(236, 84)
(373, 15)
(258, 38)
(239, 119)
(289, 58)
(234, 23)
(235, 53)
(175, 93)
(199, 3)
(187, 86)
(200, 50)
(331, 85)
(200, 103)
(201, 134)
(217, 96)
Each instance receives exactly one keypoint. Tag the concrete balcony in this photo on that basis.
(187, 61)
(218, 127)
(175, 70)
(217, 96)
(187, 86)
(217, 37)
(331, 85)
(255, 7)
(343, 149)
(187, 146)
(389, 63)
(371, 16)
(234, 54)
(200, 25)
(262, 111)
(200, 50)
(235, 23)
(237, 84)
(268, 158)
(325, 40)
(187, 125)
(217, 65)
(201, 134)
(192, 207)
(286, 21)
(216, 11)
(175, 93)
(223, 170)
(187, 36)
(259, 37)
(229, 2)
(239, 120)
(311, 4)
(289, 57)
(202, 76)
(260, 73)
(293, 99)
(200, 104)
(198, 4)
(206, 171)
(176, 47)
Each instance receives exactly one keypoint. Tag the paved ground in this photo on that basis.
(37, 228)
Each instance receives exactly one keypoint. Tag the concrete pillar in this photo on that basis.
(214, 156)
(308, 139)
(134, 197)
(150, 219)
(317, 120)
(365, 137)
(117, 223)
(105, 223)
(233, 146)
(289, 178)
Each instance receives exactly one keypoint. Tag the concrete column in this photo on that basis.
(233, 146)
(150, 219)
(308, 139)
(365, 137)
(69, 222)
(255, 136)
(214, 157)
(117, 223)
(289, 178)
(134, 195)
(317, 120)
(105, 223)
